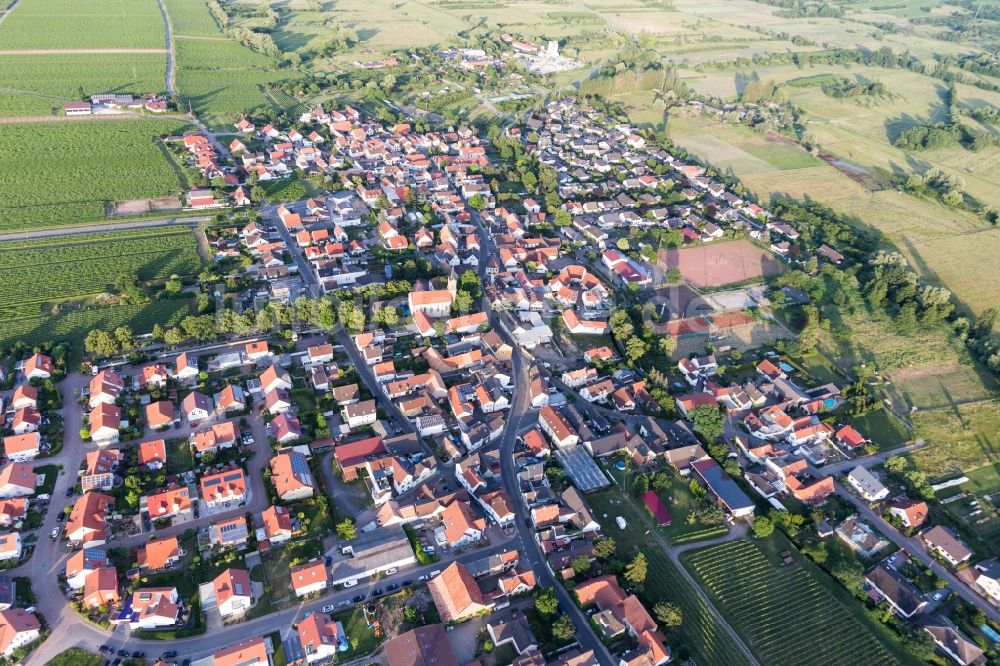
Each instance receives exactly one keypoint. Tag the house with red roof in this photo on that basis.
(309, 578)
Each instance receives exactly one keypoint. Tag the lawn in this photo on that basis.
(94, 24)
(277, 563)
(179, 456)
(51, 473)
(883, 429)
(61, 174)
(76, 657)
(780, 609)
(363, 640)
(678, 499)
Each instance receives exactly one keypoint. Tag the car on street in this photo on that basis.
(389, 572)
(170, 654)
(138, 654)
(350, 583)
(123, 652)
(391, 586)
(424, 578)
(343, 603)
(55, 532)
(406, 583)
(377, 591)
(358, 599)
(329, 608)
(70, 491)
(106, 649)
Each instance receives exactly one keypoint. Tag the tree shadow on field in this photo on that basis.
(896, 126)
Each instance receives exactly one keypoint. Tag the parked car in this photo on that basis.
(358, 599)
(170, 654)
(424, 578)
(389, 572)
(343, 603)
(350, 583)
(377, 591)
(329, 608)
(106, 649)
(55, 532)
(391, 586)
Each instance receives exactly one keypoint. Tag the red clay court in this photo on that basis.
(719, 264)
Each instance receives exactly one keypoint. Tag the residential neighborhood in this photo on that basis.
(472, 420)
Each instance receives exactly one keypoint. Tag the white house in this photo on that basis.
(866, 485)
(233, 593)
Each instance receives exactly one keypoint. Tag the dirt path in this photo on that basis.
(91, 228)
(169, 27)
(75, 51)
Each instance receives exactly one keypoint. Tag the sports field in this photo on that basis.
(722, 263)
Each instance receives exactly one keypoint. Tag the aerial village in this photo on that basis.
(461, 443)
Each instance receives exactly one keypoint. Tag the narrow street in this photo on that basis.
(916, 549)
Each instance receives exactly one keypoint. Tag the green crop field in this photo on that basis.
(60, 174)
(45, 279)
(222, 80)
(89, 24)
(37, 271)
(781, 610)
(39, 84)
(71, 323)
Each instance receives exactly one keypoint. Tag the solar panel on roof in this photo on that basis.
(212, 482)
(236, 476)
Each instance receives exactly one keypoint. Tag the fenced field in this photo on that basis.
(785, 614)
(721, 263)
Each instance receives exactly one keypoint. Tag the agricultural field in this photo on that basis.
(61, 174)
(49, 269)
(47, 281)
(94, 24)
(781, 610)
(71, 322)
(217, 77)
(940, 243)
(35, 85)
